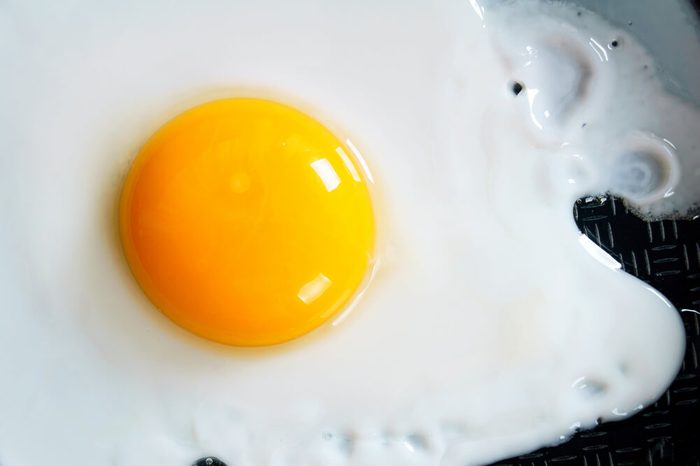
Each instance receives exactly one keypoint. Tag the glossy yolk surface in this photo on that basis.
(247, 222)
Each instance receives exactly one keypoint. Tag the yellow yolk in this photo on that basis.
(247, 222)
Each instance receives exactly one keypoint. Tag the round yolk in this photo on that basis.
(247, 222)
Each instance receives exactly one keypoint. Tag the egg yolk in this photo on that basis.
(247, 222)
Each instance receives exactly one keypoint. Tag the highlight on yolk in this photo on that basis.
(247, 222)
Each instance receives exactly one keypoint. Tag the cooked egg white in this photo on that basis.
(486, 327)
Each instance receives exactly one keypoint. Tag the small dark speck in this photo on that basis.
(209, 461)
(646, 67)
(584, 124)
(630, 23)
(517, 88)
(578, 13)
(614, 43)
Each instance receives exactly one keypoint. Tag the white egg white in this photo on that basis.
(488, 330)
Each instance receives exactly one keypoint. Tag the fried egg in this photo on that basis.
(324, 233)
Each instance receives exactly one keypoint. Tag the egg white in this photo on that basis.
(486, 320)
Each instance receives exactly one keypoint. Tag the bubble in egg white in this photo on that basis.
(638, 174)
(553, 97)
(645, 169)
